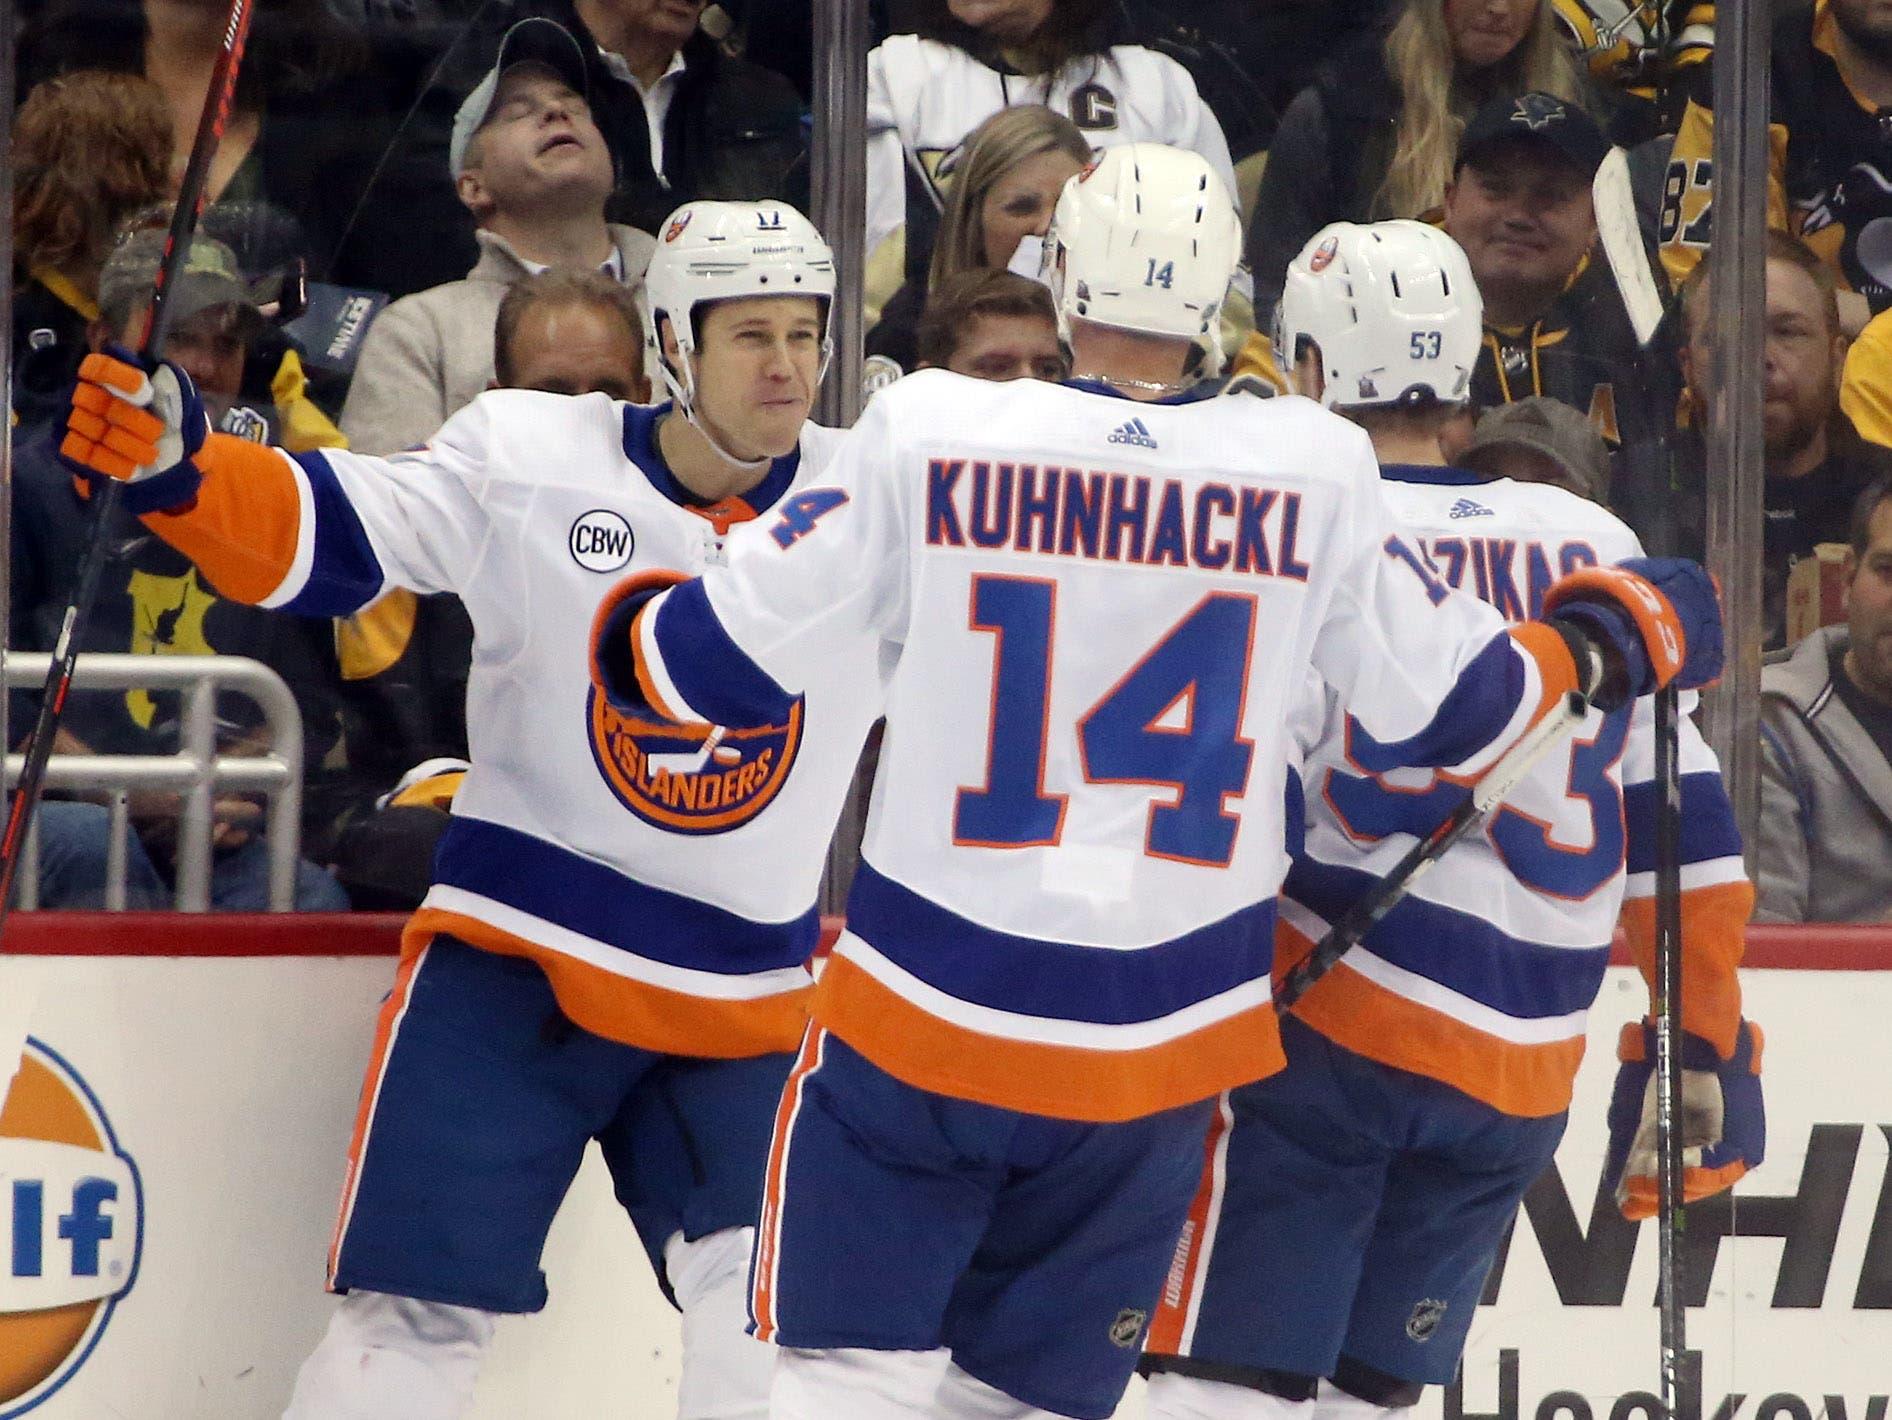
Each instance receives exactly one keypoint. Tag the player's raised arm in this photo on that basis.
(320, 533)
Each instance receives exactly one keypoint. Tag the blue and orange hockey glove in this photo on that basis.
(139, 428)
(1723, 1123)
(1656, 620)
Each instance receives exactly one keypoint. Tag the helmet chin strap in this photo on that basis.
(684, 394)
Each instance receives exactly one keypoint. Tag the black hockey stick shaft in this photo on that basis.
(192, 192)
(1670, 1218)
(1358, 920)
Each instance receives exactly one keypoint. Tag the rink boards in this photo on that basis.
(169, 1168)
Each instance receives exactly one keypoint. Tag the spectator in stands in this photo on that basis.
(532, 168)
(313, 106)
(1830, 154)
(681, 119)
(1519, 204)
(1539, 440)
(89, 150)
(1007, 180)
(404, 660)
(1377, 133)
(571, 332)
(1825, 851)
(1865, 387)
(926, 92)
(1645, 57)
(1816, 462)
(152, 601)
(993, 325)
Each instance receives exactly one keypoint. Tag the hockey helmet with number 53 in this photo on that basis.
(1393, 309)
(1145, 239)
(722, 251)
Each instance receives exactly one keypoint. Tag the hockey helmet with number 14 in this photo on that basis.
(1145, 239)
(722, 251)
(1393, 309)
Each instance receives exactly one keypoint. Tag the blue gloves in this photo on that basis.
(1723, 1124)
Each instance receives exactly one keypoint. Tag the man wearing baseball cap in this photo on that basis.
(530, 165)
(1539, 440)
(1519, 203)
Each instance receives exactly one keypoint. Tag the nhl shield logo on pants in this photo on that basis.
(73, 1223)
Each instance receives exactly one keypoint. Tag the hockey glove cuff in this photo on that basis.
(1656, 620)
(614, 669)
(1723, 1125)
(139, 428)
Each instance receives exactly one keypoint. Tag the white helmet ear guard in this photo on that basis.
(1393, 308)
(722, 251)
(1144, 239)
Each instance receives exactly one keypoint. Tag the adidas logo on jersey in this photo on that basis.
(1133, 432)
(1465, 508)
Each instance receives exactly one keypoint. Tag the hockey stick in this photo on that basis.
(1485, 796)
(1618, 233)
(190, 205)
(1670, 1218)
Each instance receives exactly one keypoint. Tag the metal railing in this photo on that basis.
(196, 772)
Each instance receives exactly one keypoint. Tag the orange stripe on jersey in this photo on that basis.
(1363, 1016)
(1169, 1327)
(1714, 920)
(386, 1027)
(769, 1228)
(1555, 665)
(241, 532)
(1062, 1081)
(635, 1012)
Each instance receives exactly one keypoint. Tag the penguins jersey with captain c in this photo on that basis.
(1483, 975)
(1086, 619)
(665, 886)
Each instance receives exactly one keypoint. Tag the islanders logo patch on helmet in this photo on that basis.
(74, 1210)
(688, 778)
(675, 229)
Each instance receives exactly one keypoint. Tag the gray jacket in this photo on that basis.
(1826, 798)
(427, 355)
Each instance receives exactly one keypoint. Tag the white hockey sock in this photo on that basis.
(392, 1358)
(1333, 1403)
(1174, 1397)
(966, 1397)
(726, 1372)
(853, 1383)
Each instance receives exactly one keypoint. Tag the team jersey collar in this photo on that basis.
(1201, 390)
(640, 447)
(1426, 473)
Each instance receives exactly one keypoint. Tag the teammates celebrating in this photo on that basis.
(1113, 627)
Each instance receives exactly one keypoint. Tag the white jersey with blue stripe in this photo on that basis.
(666, 886)
(1484, 974)
(1086, 620)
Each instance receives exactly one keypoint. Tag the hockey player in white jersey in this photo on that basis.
(614, 943)
(1085, 610)
(1351, 1205)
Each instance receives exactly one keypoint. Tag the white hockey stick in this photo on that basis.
(1621, 238)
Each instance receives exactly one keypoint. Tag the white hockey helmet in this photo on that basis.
(721, 251)
(1394, 309)
(1145, 239)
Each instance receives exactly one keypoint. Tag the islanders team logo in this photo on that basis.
(675, 229)
(74, 1211)
(691, 779)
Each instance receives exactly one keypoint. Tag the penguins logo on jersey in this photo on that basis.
(686, 779)
(71, 1228)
